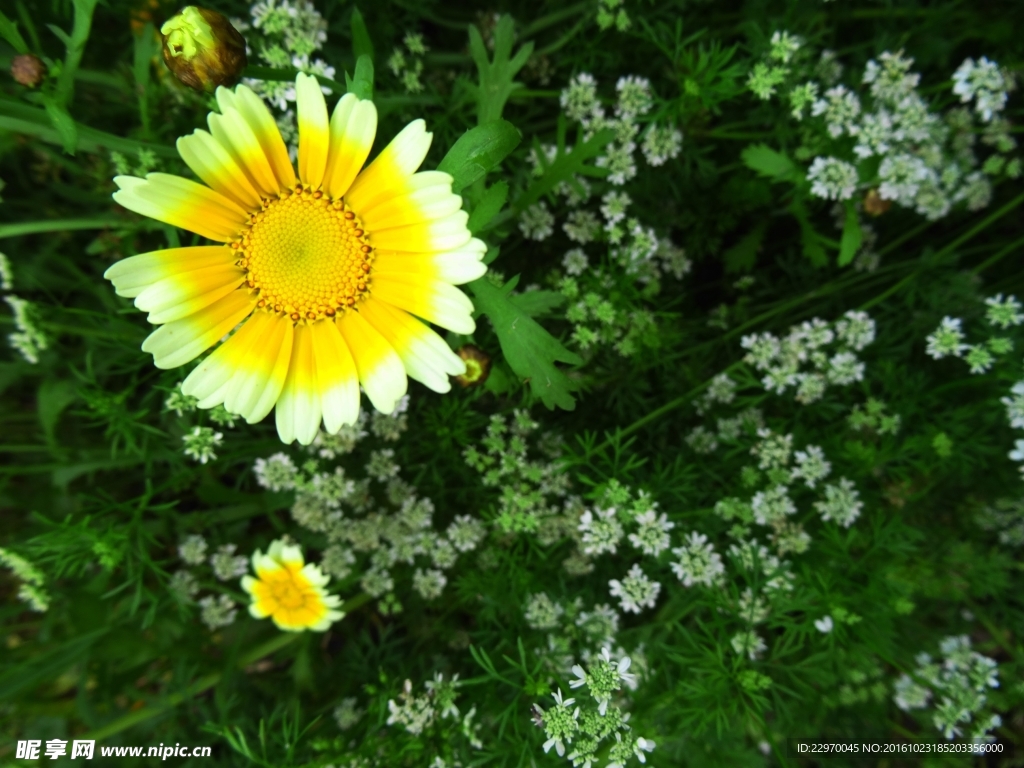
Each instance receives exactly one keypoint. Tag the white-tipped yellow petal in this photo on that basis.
(444, 234)
(314, 130)
(233, 132)
(367, 198)
(393, 167)
(380, 368)
(353, 127)
(210, 376)
(185, 293)
(438, 302)
(182, 340)
(133, 275)
(214, 165)
(256, 114)
(423, 205)
(456, 267)
(298, 408)
(336, 376)
(425, 355)
(278, 363)
(262, 377)
(182, 203)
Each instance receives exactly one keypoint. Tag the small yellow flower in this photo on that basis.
(289, 591)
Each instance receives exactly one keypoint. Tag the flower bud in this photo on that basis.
(874, 204)
(202, 49)
(478, 365)
(28, 69)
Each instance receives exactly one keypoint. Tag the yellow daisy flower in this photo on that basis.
(319, 277)
(289, 591)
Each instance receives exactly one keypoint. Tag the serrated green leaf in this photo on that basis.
(530, 350)
(361, 83)
(9, 32)
(538, 303)
(496, 77)
(362, 45)
(488, 207)
(853, 236)
(769, 163)
(477, 151)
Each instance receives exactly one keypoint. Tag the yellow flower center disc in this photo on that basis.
(288, 595)
(306, 255)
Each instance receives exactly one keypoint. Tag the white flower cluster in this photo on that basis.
(781, 360)
(948, 339)
(31, 591)
(984, 83)
(602, 529)
(216, 610)
(408, 71)
(532, 490)
(660, 143)
(571, 630)
(926, 161)
(955, 687)
(28, 338)
(416, 713)
(373, 524)
(603, 724)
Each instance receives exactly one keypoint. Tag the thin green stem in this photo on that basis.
(56, 225)
(554, 17)
(75, 48)
(1016, 245)
(17, 117)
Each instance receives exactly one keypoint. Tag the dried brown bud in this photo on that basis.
(874, 204)
(28, 69)
(478, 365)
(202, 49)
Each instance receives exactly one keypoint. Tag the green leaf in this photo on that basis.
(742, 256)
(498, 382)
(46, 666)
(530, 350)
(769, 163)
(362, 45)
(496, 77)
(75, 45)
(477, 151)
(538, 303)
(488, 207)
(63, 124)
(9, 32)
(811, 241)
(63, 36)
(54, 396)
(567, 164)
(146, 47)
(361, 84)
(853, 236)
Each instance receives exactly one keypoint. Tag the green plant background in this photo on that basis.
(96, 492)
